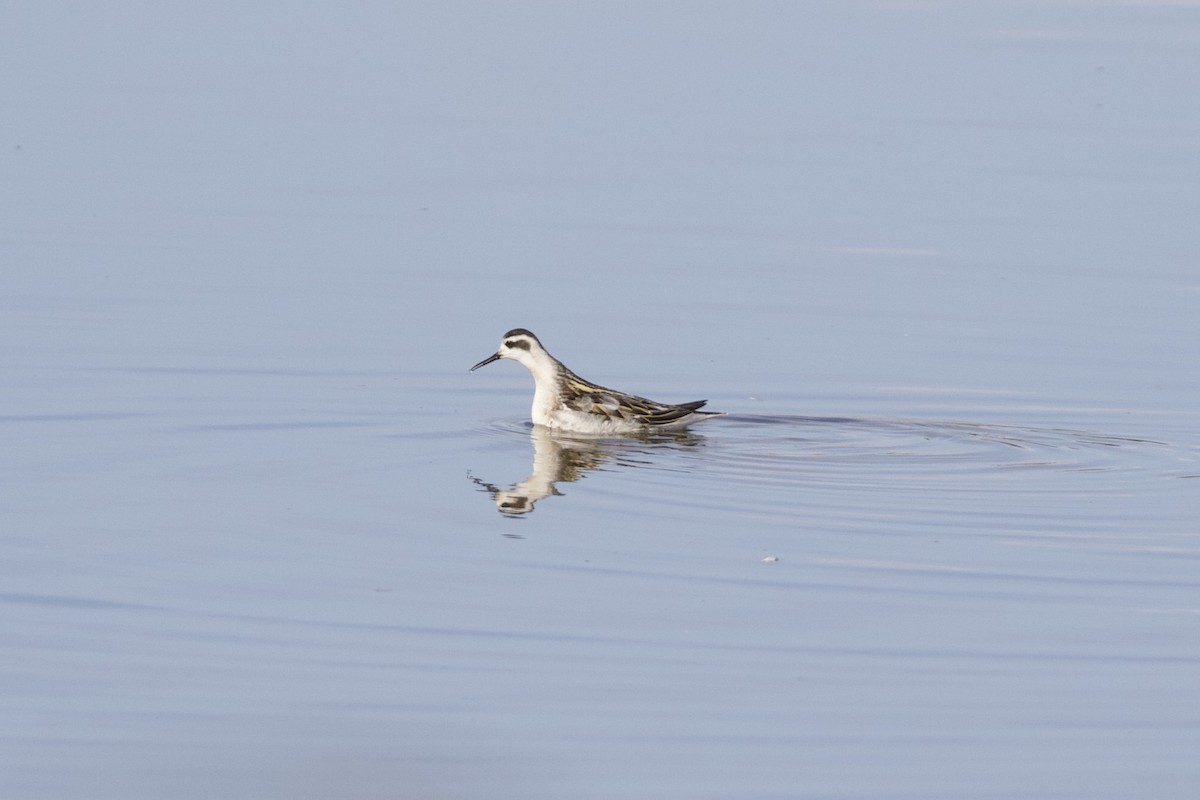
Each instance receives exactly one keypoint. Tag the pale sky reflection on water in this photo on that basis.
(938, 262)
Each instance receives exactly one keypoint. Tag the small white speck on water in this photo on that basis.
(770, 559)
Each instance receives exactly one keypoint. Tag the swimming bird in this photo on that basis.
(563, 400)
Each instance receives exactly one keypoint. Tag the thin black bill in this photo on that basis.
(486, 361)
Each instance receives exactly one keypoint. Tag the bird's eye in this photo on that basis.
(517, 343)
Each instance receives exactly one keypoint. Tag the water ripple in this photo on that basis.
(740, 452)
(828, 446)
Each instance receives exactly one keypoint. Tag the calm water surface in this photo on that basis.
(262, 535)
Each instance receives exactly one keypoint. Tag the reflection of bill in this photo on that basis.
(559, 458)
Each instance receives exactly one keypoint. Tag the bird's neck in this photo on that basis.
(546, 375)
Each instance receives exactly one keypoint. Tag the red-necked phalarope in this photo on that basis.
(563, 400)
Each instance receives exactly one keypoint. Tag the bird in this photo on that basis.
(564, 401)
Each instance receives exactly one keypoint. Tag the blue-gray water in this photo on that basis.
(263, 536)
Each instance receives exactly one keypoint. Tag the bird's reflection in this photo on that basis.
(563, 458)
